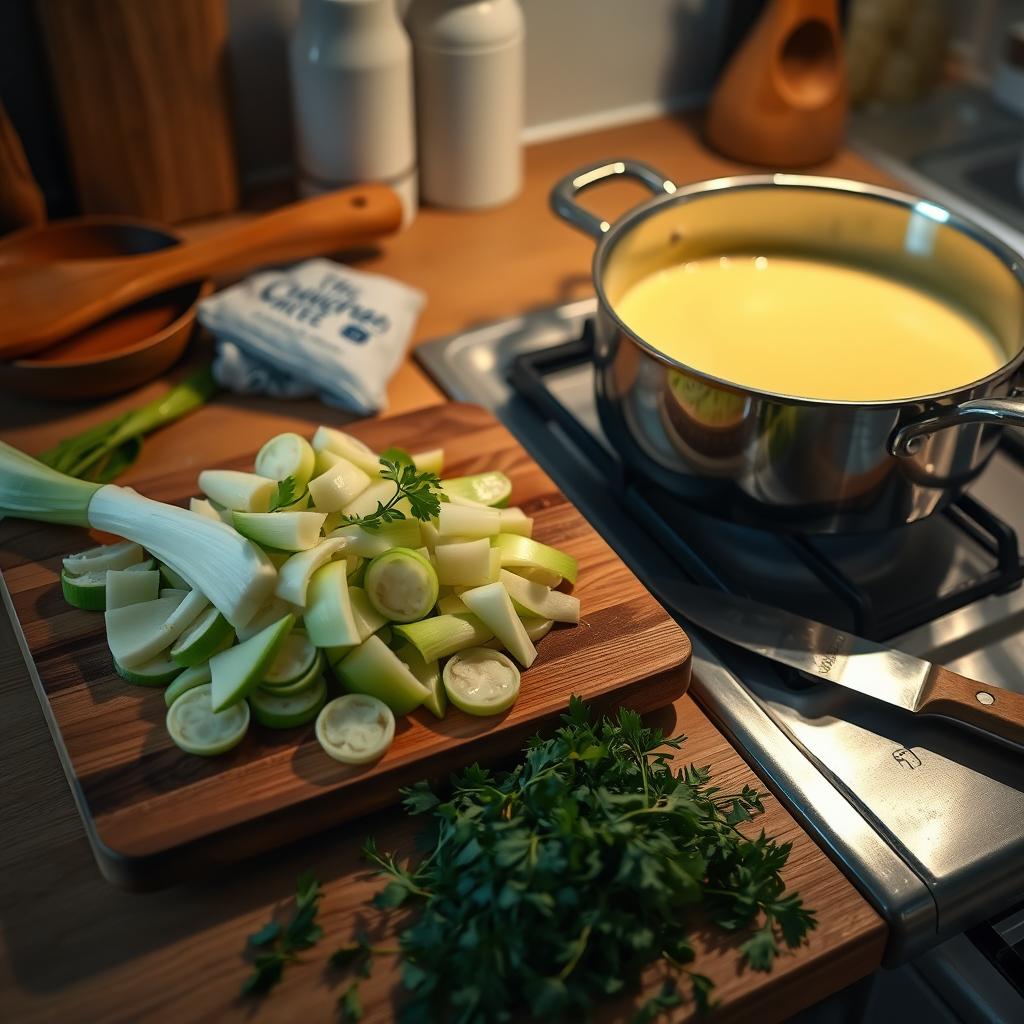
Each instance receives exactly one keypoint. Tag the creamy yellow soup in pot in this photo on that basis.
(809, 328)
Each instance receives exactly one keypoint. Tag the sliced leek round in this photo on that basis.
(87, 591)
(293, 660)
(197, 729)
(158, 671)
(197, 675)
(277, 711)
(401, 584)
(287, 455)
(481, 681)
(493, 488)
(355, 729)
(106, 556)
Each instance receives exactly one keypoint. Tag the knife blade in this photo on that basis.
(883, 673)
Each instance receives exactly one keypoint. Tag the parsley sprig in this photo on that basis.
(276, 945)
(551, 887)
(420, 488)
(284, 495)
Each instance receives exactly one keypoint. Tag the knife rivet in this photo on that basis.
(985, 698)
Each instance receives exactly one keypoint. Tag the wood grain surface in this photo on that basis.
(73, 947)
(142, 91)
(155, 814)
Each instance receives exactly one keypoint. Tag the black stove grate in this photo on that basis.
(530, 375)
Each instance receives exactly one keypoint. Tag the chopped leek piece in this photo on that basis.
(464, 564)
(107, 556)
(451, 604)
(125, 587)
(515, 520)
(157, 671)
(208, 635)
(294, 658)
(471, 522)
(535, 599)
(286, 711)
(328, 619)
(293, 577)
(146, 565)
(323, 461)
(492, 605)
(277, 556)
(179, 593)
(348, 447)
(374, 669)
(378, 493)
(491, 488)
(202, 507)
(332, 522)
(338, 486)
(368, 619)
(431, 461)
(286, 455)
(135, 633)
(355, 729)
(516, 550)
(189, 678)
(494, 566)
(401, 585)
(481, 682)
(173, 579)
(238, 670)
(403, 533)
(240, 492)
(270, 612)
(441, 635)
(309, 678)
(285, 531)
(88, 591)
(545, 577)
(428, 533)
(197, 728)
(429, 674)
(536, 628)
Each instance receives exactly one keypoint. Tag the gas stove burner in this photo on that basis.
(879, 584)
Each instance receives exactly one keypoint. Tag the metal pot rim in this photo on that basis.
(685, 193)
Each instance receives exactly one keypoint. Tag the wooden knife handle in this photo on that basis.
(950, 695)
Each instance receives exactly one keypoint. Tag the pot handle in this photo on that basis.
(1005, 411)
(563, 195)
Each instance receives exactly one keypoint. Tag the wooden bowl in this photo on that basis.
(126, 349)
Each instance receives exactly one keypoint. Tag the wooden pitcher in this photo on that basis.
(782, 99)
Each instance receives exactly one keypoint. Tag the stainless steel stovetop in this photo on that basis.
(929, 823)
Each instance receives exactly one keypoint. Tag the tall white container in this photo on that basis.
(469, 58)
(352, 93)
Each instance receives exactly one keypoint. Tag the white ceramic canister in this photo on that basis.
(469, 58)
(352, 85)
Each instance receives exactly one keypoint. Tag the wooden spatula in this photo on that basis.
(41, 303)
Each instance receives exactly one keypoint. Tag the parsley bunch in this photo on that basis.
(419, 487)
(549, 888)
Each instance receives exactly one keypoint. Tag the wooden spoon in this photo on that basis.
(41, 303)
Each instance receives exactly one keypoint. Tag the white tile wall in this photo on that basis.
(589, 62)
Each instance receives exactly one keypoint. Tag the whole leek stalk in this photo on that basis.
(102, 452)
(231, 571)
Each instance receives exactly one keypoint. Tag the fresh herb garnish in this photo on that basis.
(418, 487)
(284, 495)
(102, 452)
(551, 887)
(276, 945)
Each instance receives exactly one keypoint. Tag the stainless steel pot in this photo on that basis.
(784, 461)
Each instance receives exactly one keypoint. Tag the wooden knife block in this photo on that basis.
(142, 90)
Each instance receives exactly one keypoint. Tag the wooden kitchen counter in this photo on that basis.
(73, 948)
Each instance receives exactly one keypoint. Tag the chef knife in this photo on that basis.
(914, 684)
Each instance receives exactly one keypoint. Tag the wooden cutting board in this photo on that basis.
(154, 814)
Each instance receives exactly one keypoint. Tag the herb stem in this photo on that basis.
(580, 947)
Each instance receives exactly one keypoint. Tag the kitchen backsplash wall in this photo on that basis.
(589, 63)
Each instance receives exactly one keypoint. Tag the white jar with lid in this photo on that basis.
(352, 82)
(469, 59)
